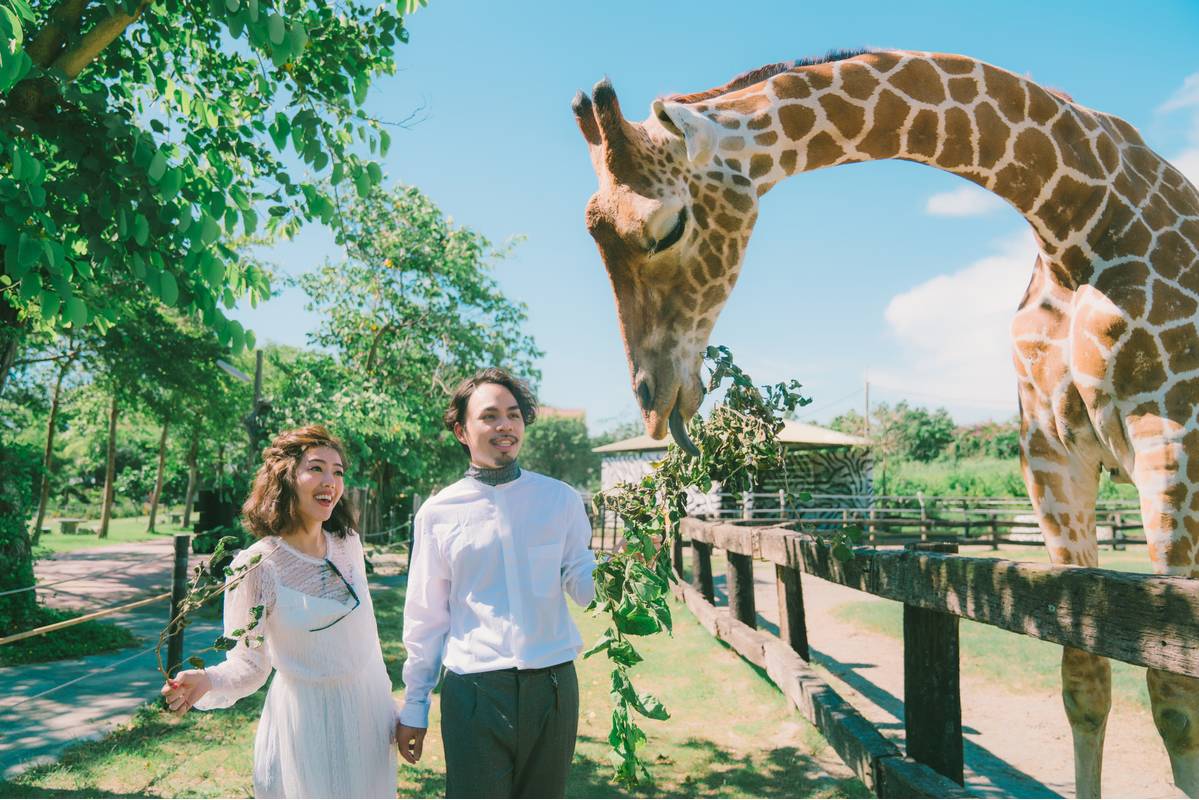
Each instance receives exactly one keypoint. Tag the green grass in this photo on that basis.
(710, 748)
(977, 476)
(84, 639)
(124, 530)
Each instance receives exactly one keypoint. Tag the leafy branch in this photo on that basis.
(209, 581)
(736, 443)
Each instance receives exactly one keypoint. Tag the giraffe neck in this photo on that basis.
(1049, 158)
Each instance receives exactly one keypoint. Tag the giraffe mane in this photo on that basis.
(762, 73)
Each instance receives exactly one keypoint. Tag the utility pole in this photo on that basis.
(867, 409)
(253, 421)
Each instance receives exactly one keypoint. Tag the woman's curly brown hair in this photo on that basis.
(273, 506)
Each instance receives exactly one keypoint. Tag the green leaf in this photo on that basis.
(196, 662)
(172, 181)
(276, 28)
(31, 286)
(76, 312)
(297, 40)
(158, 166)
(249, 221)
(209, 230)
(279, 131)
(376, 173)
(214, 271)
(141, 229)
(49, 306)
(233, 6)
(384, 142)
(169, 289)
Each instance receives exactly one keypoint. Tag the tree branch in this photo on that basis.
(48, 42)
(94, 41)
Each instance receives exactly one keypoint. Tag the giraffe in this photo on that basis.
(1105, 344)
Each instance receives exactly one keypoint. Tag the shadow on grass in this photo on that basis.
(715, 771)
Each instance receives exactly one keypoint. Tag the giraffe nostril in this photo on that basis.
(644, 394)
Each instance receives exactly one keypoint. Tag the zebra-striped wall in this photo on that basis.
(831, 470)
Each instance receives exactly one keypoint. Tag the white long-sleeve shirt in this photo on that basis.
(490, 569)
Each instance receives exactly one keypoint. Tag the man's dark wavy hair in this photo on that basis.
(455, 413)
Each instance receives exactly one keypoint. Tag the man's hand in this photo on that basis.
(411, 741)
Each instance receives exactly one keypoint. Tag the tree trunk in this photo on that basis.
(11, 334)
(110, 469)
(47, 459)
(162, 457)
(192, 477)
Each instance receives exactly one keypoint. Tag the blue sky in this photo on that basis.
(853, 273)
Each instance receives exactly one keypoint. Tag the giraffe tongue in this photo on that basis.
(678, 431)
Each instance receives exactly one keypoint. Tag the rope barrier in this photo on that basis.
(16, 637)
(74, 681)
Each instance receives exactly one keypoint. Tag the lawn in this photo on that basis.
(731, 734)
(123, 530)
(84, 639)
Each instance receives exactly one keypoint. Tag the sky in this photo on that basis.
(890, 273)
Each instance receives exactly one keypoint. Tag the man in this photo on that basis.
(493, 557)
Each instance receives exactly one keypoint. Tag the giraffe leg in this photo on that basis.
(1087, 696)
(1167, 504)
(1063, 487)
(1175, 701)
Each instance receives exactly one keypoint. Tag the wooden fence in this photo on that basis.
(900, 519)
(1151, 621)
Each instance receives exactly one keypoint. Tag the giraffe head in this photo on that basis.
(671, 218)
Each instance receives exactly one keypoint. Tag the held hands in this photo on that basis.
(411, 741)
(185, 689)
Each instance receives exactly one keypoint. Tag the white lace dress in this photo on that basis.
(329, 717)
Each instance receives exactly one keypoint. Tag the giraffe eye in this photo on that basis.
(671, 238)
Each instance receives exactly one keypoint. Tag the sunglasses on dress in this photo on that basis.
(349, 588)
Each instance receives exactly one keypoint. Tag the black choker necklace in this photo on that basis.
(494, 476)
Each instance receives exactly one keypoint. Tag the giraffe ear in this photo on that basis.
(697, 131)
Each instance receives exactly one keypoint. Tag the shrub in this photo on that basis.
(21, 467)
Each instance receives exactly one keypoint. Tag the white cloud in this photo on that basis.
(953, 334)
(1187, 95)
(966, 201)
(1188, 164)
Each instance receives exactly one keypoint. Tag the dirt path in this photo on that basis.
(1017, 744)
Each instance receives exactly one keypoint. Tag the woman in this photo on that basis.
(327, 727)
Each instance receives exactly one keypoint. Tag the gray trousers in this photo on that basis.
(509, 733)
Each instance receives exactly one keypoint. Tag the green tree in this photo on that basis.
(136, 136)
(560, 447)
(412, 309)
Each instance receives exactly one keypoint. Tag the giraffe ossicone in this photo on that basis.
(1105, 341)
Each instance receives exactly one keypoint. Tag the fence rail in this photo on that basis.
(1147, 620)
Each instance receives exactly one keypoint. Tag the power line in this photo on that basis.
(809, 412)
(958, 400)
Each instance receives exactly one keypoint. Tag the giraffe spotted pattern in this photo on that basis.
(1104, 341)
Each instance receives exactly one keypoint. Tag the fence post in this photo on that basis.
(701, 570)
(746, 505)
(1118, 531)
(994, 530)
(932, 700)
(178, 593)
(676, 553)
(782, 504)
(793, 627)
(741, 588)
(923, 517)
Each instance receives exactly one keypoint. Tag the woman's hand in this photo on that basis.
(185, 689)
